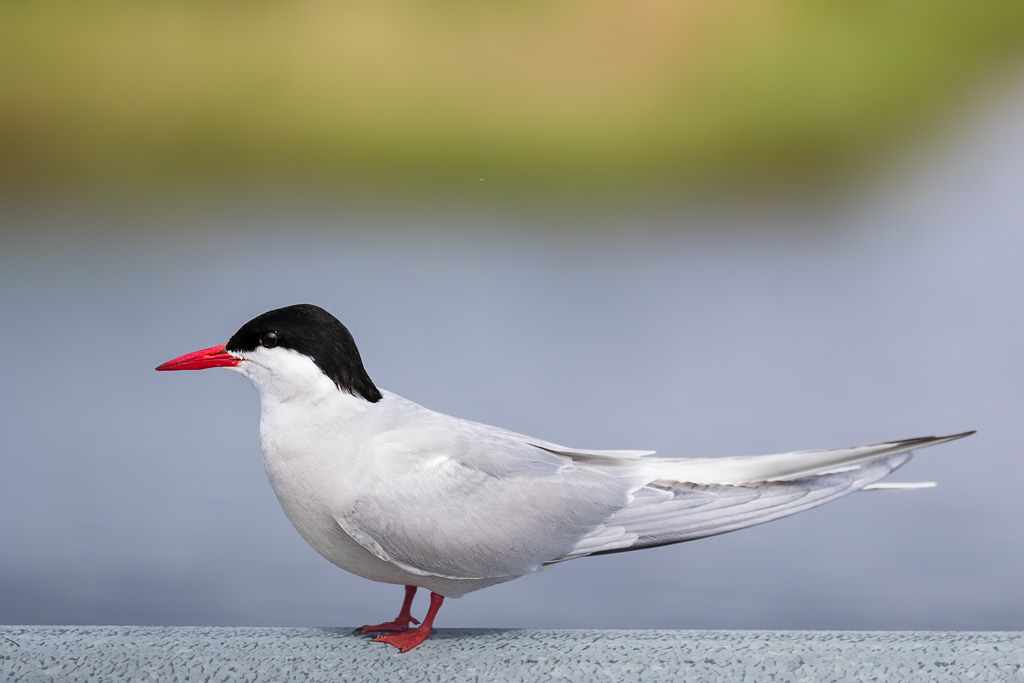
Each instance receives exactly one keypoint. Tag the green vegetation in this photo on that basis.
(565, 94)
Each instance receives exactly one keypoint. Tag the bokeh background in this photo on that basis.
(706, 228)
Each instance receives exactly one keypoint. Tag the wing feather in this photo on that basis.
(452, 499)
(686, 511)
(790, 466)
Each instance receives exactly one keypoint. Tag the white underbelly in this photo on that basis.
(313, 519)
(317, 526)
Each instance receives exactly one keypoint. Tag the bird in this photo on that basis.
(397, 493)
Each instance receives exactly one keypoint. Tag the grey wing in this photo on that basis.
(577, 454)
(673, 512)
(469, 504)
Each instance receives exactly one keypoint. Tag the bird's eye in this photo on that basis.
(268, 339)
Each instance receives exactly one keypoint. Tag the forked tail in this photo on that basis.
(705, 497)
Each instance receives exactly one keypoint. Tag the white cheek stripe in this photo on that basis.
(282, 374)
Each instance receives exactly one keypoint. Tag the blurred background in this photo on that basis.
(706, 228)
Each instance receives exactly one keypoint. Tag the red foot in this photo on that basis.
(396, 625)
(405, 640)
(401, 622)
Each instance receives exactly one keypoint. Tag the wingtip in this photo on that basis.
(952, 437)
(933, 440)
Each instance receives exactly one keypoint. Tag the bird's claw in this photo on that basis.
(404, 640)
(396, 626)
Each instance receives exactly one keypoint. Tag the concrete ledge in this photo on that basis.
(195, 654)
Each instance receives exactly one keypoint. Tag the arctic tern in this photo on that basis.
(393, 492)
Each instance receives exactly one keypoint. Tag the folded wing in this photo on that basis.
(462, 500)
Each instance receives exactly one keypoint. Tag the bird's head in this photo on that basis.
(288, 351)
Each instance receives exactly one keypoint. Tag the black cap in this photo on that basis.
(314, 332)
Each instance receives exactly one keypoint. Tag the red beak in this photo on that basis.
(213, 357)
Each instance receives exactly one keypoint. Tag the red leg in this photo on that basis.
(407, 640)
(404, 617)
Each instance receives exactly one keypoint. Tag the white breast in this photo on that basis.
(313, 469)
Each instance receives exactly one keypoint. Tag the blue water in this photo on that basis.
(135, 497)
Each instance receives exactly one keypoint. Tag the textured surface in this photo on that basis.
(54, 653)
